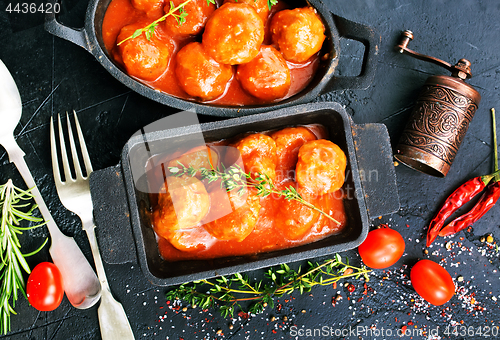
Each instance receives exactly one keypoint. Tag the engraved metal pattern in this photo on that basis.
(439, 122)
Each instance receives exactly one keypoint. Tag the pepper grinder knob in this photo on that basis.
(462, 69)
(406, 37)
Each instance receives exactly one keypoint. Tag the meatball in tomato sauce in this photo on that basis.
(182, 204)
(295, 219)
(288, 142)
(240, 223)
(298, 33)
(199, 75)
(258, 152)
(198, 157)
(260, 6)
(198, 12)
(320, 167)
(189, 240)
(148, 6)
(267, 76)
(233, 34)
(143, 58)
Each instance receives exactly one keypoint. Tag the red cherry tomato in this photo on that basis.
(45, 287)
(382, 248)
(432, 282)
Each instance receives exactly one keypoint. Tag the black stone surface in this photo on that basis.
(56, 76)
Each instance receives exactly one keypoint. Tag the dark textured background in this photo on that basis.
(55, 76)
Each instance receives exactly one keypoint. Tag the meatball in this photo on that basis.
(298, 33)
(233, 34)
(258, 153)
(200, 75)
(148, 5)
(142, 58)
(266, 76)
(198, 157)
(198, 12)
(288, 142)
(333, 205)
(182, 204)
(293, 218)
(260, 6)
(320, 167)
(193, 239)
(239, 223)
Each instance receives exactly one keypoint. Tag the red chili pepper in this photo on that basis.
(485, 203)
(464, 194)
(459, 197)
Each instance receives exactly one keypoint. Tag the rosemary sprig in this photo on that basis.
(12, 205)
(234, 178)
(181, 18)
(227, 293)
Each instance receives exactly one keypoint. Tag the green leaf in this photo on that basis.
(137, 33)
(271, 3)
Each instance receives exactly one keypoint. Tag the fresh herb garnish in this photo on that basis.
(234, 178)
(271, 3)
(181, 18)
(227, 293)
(12, 206)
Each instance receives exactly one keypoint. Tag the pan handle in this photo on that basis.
(111, 216)
(77, 36)
(376, 168)
(371, 40)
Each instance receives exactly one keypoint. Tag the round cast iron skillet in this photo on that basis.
(90, 38)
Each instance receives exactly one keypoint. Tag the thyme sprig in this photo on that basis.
(12, 206)
(271, 3)
(150, 29)
(181, 19)
(227, 293)
(234, 178)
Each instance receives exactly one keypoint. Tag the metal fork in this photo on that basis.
(75, 196)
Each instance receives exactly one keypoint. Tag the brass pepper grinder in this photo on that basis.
(440, 118)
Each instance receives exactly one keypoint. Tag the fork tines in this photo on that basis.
(77, 170)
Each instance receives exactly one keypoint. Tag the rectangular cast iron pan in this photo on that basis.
(124, 234)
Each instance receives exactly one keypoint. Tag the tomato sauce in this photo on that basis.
(268, 234)
(121, 13)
